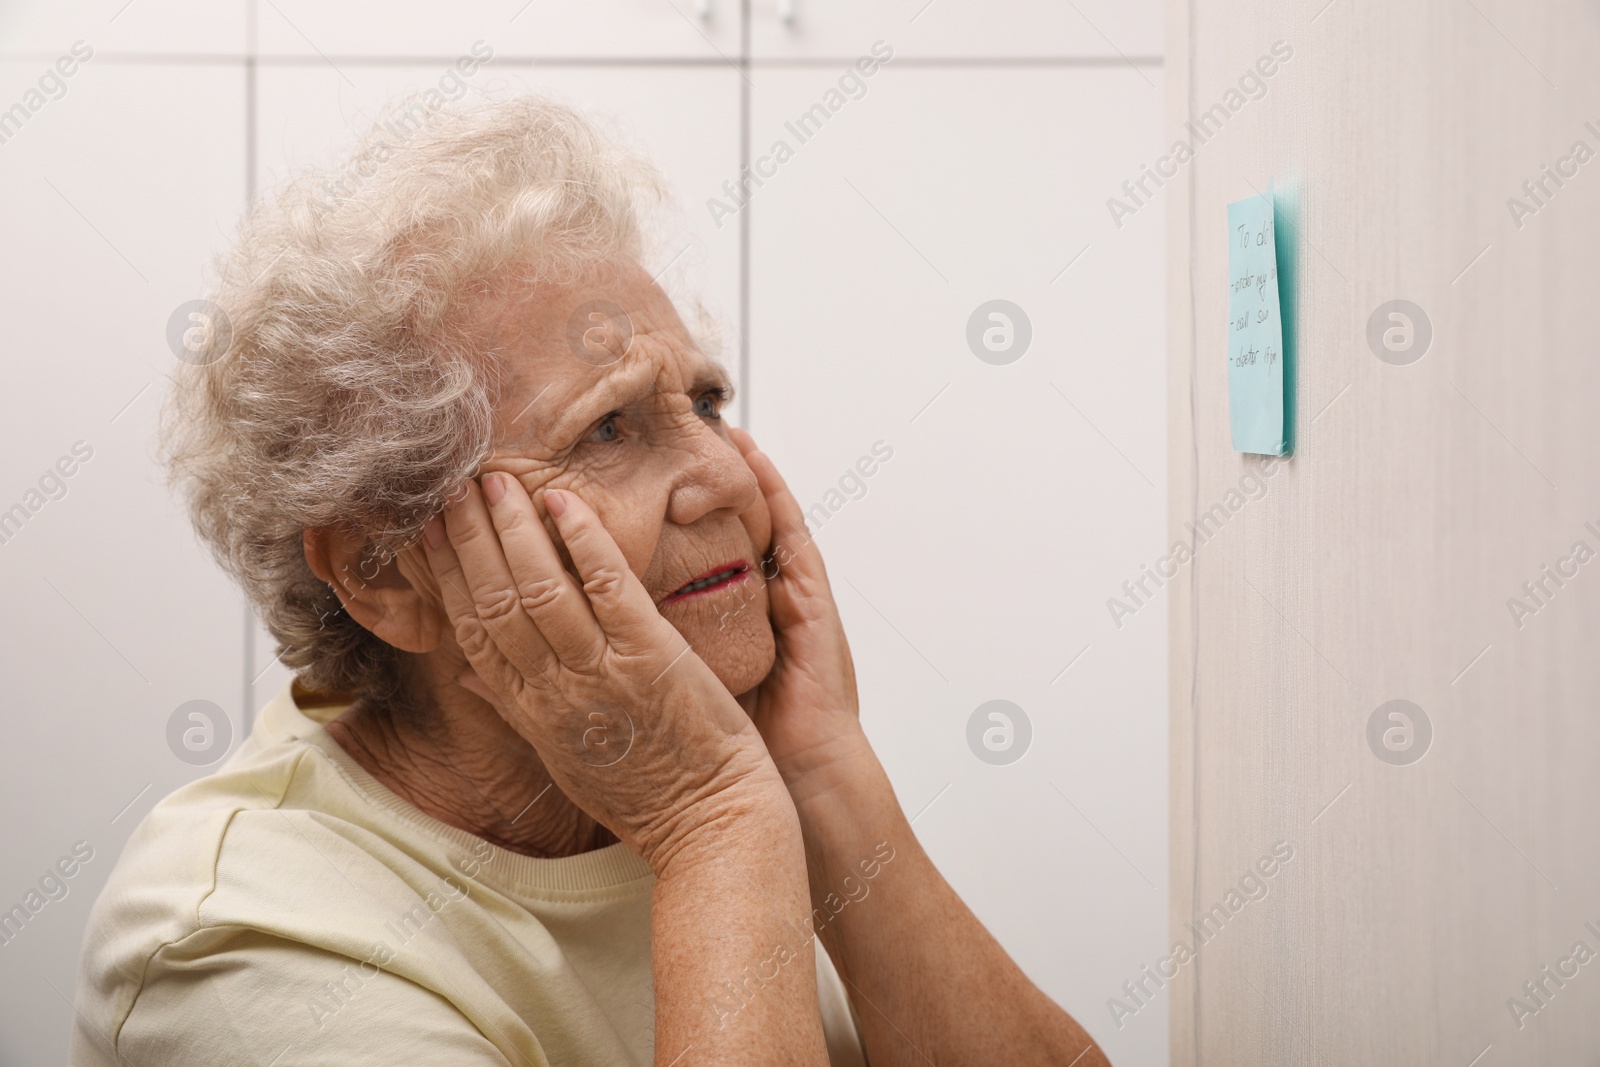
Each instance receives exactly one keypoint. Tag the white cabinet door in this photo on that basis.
(685, 120)
(1119, 31)
(976, 514)
(706, 30)
(116, 193)
(121, 27)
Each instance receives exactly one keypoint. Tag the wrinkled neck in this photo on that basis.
(462, 763)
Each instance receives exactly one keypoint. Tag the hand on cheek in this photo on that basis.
(806, 709)
(587, 671)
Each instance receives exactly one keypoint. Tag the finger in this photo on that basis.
(489, 664)
(792, 543)
(482, 579)
(473, 682)
(799, 591)
(620, 602)
(742, 440)
(549, 595)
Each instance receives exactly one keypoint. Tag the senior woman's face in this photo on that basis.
(633, 425)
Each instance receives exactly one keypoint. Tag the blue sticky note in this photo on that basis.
(1256, 355)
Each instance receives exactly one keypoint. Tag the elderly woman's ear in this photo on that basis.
(397, 600)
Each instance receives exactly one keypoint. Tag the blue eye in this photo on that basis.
(608, 430)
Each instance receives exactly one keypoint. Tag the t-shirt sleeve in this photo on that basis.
(270, 1001)
(840, 1027)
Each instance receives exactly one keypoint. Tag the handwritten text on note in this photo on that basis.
(1255, 330)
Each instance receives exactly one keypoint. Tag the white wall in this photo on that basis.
(974, 568)
(1380, 563)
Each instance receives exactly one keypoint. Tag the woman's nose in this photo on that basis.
(714, 477)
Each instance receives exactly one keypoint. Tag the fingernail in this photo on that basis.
(434, 532)
(555, 502)
(493, 488)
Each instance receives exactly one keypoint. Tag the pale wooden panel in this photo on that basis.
(1379, 563)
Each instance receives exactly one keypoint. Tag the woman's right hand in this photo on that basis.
(629, 721)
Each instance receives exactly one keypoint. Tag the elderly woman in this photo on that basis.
(571, 770)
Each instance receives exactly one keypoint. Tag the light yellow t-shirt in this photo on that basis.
(289, 910)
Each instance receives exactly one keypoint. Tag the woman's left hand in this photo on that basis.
(806, 708)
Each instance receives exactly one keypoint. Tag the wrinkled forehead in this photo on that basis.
(573, 351)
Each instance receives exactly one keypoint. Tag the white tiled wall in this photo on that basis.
(975, 566)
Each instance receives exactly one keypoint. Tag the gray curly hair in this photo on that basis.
(344, 392)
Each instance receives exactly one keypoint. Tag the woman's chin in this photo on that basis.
(737, 645)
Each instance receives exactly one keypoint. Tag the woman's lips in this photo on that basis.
(709, 582)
